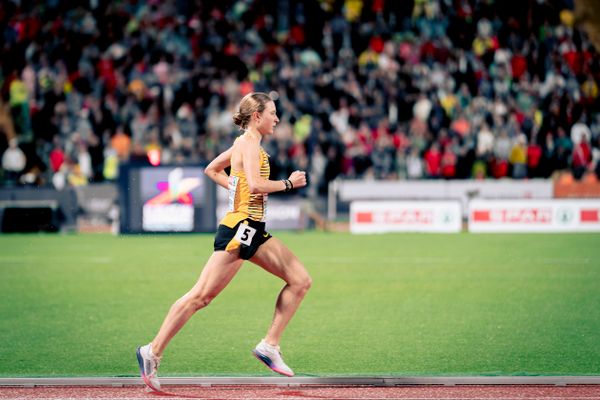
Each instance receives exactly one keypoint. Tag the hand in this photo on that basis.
(298, 179)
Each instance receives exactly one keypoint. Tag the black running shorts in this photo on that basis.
(247, 234)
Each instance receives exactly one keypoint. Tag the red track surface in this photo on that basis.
(579, 392)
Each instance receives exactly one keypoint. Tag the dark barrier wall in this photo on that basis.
(97, 200)
(166, 199)
(38, 209)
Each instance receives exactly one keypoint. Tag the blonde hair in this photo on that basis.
(252, 102)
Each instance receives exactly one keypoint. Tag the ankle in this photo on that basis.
(153, 352)
(271, 342)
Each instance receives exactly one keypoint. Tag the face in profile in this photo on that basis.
(268, 119)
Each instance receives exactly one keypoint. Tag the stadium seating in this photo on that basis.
(430, 89)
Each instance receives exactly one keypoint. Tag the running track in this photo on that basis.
(304, 392)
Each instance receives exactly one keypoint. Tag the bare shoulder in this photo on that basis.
(243, 148)
(246, 140)
(247, 145)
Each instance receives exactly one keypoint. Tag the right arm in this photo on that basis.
(216, 169)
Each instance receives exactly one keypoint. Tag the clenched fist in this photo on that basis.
(298, 179)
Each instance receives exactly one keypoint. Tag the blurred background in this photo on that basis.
(107, 104)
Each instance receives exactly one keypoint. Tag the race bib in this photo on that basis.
(232, 183)
(244, 234)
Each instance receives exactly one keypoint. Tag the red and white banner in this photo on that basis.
(534, 216)
(405, 216)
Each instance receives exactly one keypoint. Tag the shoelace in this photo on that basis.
(274, 348)
(278, 350)
(156, 365)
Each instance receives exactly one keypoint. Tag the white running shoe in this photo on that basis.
(271, 357)
(149, 364)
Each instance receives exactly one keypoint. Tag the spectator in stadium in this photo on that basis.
(582, 157)
(13, 162)
(448, 163)
(501, 151)
(414, 165)
(417, 68)
(534, 155)
(57, 156)
(548, 161)
(383, 157)
(518, 157)
(433, 161)
(241, 236)
(564, 148)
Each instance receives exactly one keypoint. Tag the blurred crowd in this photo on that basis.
(366, 89)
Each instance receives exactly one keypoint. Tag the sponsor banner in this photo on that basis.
(165, 198)
(405, 216)
(440, 189)
(170, 195)
(463, 190)
(534, 216)
(168, 217)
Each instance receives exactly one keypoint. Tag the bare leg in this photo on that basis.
(220, 268)
(276, 258)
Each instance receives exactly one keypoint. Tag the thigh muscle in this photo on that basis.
(274, 257)
(219, 270)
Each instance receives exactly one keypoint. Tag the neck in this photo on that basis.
(253, 133)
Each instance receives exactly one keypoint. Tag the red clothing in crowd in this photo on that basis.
(376, 44)
(433, 162)
(519, 65)
(448, 164)
(57, 158)
(499, 168)
(582, 155)
(534, 154)
(574, 60)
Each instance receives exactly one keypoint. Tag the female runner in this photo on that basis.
(241, 235)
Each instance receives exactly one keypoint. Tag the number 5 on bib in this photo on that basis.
(244, 234)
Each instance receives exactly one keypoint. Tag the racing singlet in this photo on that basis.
(242, 203)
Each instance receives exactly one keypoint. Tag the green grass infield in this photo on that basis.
(393, 305)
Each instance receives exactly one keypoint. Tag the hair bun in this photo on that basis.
(238, 119)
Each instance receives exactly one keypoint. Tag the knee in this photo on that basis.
(306, 283)
(301, 283)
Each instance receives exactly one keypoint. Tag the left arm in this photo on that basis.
(216, 169)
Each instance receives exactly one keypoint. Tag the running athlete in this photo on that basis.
(241, 235)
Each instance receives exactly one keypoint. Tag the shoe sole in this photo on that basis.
(142, 373)
(267, 361)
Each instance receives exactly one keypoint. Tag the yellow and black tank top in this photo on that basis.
(242, 203)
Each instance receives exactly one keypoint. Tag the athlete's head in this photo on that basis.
(257, 110)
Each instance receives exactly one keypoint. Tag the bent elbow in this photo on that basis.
(210, 172)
